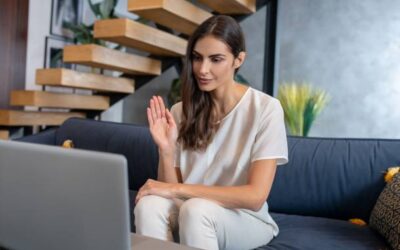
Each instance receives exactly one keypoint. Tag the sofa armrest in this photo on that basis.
(47, 137)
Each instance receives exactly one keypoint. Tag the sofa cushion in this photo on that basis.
(47, 137)
(306, 232)
(385, 216)
(132, 141)
(332, 177)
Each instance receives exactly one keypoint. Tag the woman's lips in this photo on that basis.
(203, 81)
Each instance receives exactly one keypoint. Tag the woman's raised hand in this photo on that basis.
(162, 125)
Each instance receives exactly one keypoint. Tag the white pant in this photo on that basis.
(201, 223)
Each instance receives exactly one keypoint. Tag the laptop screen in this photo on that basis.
(56, 198)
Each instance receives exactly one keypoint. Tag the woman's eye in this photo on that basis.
(216, 60)
(196, 58)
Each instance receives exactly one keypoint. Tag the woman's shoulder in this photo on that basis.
(176, 111)
(263, 100)
(176, 107)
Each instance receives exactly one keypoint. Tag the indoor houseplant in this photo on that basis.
(301, 103)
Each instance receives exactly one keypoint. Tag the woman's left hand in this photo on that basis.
(153, 187)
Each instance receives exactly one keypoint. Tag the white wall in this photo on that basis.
(351, 49)
(38, 29)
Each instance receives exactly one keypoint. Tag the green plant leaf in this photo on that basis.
(174, 94)
(83, 34)
(95, 8)
(106, 8)
(56, 57)
(309, 116)
(301, 104)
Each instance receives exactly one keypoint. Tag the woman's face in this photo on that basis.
(213, 63)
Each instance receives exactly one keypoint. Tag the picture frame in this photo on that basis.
(65, 11)
(53, 57)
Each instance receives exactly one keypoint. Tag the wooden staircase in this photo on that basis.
(74, 79)
(101, 57)
(4, 134)
(137, 35)
(236, 7)
(181, 16)
(28, 118)
(59, 100)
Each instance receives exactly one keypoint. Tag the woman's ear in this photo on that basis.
(239, 59)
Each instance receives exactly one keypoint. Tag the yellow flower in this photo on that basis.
(358, 222)
(68, 144)
(391, 172)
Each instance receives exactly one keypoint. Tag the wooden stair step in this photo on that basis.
(101, 57)
(70, 78)
(32, 118)
(59, 100)
(179, 15)
(4, 135)
(137, 35)
(231, 6)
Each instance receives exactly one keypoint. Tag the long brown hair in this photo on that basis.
(198, 127)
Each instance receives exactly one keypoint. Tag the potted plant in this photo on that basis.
(83, 34)
(301, 104)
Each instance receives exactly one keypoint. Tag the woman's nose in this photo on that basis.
(204, 67)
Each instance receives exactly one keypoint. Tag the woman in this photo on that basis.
(218, 150)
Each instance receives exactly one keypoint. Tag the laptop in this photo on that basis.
(57, 198)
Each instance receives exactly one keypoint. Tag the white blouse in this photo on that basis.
(253, 130)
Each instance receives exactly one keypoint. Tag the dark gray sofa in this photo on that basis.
(326, 182)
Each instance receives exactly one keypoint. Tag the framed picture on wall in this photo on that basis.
(62, 13)
(53, 57)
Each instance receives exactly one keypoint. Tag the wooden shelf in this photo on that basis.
(69, 78)
(179, 15)
(58, 100)
(101, 57)
(232, 6)
(4, 135)
(31, 118)
(134, 34)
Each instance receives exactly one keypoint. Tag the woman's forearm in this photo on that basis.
(166, 168)
(245, 196)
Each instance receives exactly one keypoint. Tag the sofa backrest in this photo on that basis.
(132, 141)
(336, 178)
